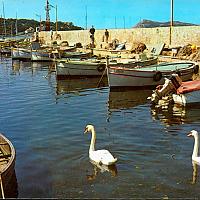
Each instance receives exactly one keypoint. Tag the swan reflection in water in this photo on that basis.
(176, 114)
(112, 169)
(195, 172)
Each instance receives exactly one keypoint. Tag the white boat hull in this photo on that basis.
(187, 98)
(143, 77)
(41, 56)
(19, 53)
(79, 68)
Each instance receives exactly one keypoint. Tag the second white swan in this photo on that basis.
(99, 156)
(195, 156)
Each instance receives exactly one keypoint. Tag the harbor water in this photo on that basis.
(45, 119)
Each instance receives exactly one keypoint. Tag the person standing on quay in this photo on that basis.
(106, 35)
(92, 31)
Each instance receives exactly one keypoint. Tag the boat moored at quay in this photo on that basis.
(150, 76)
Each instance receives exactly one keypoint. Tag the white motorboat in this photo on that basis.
(177, 91)
(188, 93)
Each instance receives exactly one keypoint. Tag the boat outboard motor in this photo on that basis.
(164, 90)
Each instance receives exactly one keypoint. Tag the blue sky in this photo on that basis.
(105, 13)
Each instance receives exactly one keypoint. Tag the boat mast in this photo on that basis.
(16, 30)
(56, 18)
(85, 17)
(4, 22)
(47, 8)
(172, 21)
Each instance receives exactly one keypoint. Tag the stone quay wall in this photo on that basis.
(180, 36)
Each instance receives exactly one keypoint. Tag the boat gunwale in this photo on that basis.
(13, 154)
(142, 69)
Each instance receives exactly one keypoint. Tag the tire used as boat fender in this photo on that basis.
(157, 76)
(196, 69)
(101, 67)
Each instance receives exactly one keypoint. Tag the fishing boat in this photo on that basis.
(132, 62)
(80, 55)
(96, 67)
(148, 76)
(20, 54)
(7, 162)
(42, 55)
(66, 68)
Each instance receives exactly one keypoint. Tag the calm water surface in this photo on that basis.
(45, 120)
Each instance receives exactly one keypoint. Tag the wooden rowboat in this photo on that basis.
(7, 162)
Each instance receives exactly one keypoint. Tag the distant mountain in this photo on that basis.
(152, 24)
(25, 24)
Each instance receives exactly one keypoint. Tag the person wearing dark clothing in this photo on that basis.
(106, 35)
(92, 31)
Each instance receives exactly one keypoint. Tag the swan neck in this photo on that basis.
(196, 146)
(93, 139)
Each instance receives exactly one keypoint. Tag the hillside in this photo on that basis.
(24, 24)
(152, 24)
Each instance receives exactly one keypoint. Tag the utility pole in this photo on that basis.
(47, 8)
(171, 21)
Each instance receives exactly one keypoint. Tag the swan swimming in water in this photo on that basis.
(99, 156)
(195, 156)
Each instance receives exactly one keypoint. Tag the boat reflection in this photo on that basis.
(33, 67)
(176, 114)
(11, 190)
(78, 85)
(127, 99)
(102, 168)
(16, 65)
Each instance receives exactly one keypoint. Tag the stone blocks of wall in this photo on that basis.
(180, 35)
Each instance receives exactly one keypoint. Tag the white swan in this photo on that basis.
(100, 156)
(196, 146)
